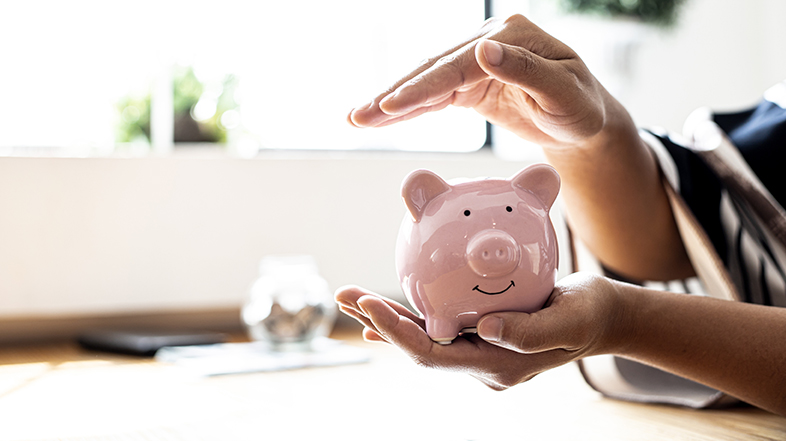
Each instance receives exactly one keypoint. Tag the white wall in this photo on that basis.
(84, 236)
(111, 235)
(722, 54)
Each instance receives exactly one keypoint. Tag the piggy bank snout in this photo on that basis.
(492, 253)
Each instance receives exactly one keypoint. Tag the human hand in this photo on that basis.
(579, 319)
(511, 72)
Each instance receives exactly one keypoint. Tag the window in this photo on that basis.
(95, 78)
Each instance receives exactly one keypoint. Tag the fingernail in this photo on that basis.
(351, 312)
(343, 304)
(362, 108)
(362, 310)
(490, 329)
(365, 106)
(493, 52)
(384, 102)
(392, 104)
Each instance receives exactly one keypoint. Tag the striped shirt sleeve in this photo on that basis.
(756, 264)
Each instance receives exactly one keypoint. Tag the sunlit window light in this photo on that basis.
(84, 78)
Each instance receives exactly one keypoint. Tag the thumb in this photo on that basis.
(538, 76)
(524, 333)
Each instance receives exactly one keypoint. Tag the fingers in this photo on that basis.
(438, 79)
(446, 72)
(545, 330)
(545, 80)
(511, 64)
(347, 298)
(388, 321)
(436, 83)
(371, 335)
(357, 315)
(417, 112)
(429, 88)
(395, 328)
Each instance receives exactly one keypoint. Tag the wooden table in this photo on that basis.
(59, 391)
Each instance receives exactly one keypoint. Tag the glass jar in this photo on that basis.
(289, 305)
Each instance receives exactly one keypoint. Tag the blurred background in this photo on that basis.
(152, 152)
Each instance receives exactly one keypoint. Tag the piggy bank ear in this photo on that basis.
(419, 188)
(540, 179)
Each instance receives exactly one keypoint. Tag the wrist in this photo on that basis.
(621, 330)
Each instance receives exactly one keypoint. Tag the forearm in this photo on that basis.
(616, 203)
(734, 347)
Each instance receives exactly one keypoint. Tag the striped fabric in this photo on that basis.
(756, 263)
(754, 257)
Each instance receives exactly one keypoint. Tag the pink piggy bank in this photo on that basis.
(470, 248)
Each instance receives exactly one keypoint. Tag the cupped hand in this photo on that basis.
(510, 347)
(513, 73)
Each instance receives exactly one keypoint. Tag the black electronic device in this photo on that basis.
(145, 342)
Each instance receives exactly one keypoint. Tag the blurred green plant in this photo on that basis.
(656, 12)
(134, 125)
(199, 110)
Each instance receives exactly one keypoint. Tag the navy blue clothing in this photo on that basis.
(760, 135)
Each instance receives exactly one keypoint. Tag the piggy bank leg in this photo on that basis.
(442, 331)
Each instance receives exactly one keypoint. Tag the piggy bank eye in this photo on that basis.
(509, 208)
(466, 213)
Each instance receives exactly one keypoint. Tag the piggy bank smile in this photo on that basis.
(479, 246)
(477, 288)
